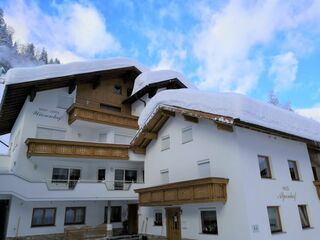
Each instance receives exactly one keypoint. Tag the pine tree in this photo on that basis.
(43, 56)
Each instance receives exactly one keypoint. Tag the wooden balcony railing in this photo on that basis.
(317, 185)
(193, 191)
(78, 112)
(59, 148)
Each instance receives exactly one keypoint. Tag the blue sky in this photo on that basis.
(248, 46)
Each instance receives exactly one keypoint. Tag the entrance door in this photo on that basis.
(133, 218)
(4, 210)
(173, 223)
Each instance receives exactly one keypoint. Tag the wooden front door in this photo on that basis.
(173, 223)
(133, 218)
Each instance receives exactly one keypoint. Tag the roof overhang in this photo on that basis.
(161, 115)
(15, 95)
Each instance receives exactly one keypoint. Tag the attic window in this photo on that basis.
(117, 89)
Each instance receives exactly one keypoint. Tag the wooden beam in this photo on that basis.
(139, 150)
(168, 113)
(96, 82)
(32, 94)
(152, 92)
(72, 86)
(149, 135)
(224, 127)
(190, 118)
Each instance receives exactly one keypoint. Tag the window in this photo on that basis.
(50, 133)
(122, 176)
(158, 218)
(274, 219)
(115, 214)
(103, 137)
(264, 166)
(43, 217)
(66, 176)
(186, 134)
(64, 102)
(209, 223)
(293, 170)
(204, 168)
(117, 89)
(315, 173)
(305, 223)
(165, 143)
(101, 174)
(75, 215)
(164, 176)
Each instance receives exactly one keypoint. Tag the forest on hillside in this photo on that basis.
(15, 54)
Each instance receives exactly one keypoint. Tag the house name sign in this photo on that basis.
(46, 113)
(286, 194)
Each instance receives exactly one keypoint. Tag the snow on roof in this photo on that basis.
(235, 106)
(28, 74)
(149, 77)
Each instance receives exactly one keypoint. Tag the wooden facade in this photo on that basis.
(78, 112)
(72, 149)
(317, 185)
(193, 191)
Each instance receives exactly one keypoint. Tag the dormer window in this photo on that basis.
(117, 89)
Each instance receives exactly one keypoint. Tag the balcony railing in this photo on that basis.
(79, 112)
(59, 148)
(317, 185)
(54, 184)
(193, 191)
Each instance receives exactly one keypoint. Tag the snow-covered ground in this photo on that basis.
(236, 106)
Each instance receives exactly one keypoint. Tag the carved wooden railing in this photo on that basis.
(317, 185)
(78, 112)
(59, 148)
(193, 191)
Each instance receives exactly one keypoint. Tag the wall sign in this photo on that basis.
(286, 194)
(46, 113)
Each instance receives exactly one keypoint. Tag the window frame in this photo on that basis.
(183, 131)
(117, 89)
(98, 174)
(202, 221)
(296, 170)
(163, 138)
(155, 223)
(277, 208)
(44, 210)
(113, 220)
(268, 166)
(75, 223)
(304, 208)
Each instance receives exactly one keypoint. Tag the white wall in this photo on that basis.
(235, 156)
(21, 215)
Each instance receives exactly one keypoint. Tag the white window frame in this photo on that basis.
(184, 131)
(163, 139)
(200, 220)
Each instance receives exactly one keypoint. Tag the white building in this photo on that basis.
(69, 161)
(203, 166)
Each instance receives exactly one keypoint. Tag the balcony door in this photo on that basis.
(123, 176)
(173, 223)
(4, 212)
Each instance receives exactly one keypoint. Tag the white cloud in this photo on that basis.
(283, 70)
(313, 112)
(231, 40)
(77, 31)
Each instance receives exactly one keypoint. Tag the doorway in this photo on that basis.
(133, 218)
(173, 223)
(4, 210)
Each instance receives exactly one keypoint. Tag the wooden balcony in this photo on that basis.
(59, 148)
(194, 191)
(78, 112)
(317, 185)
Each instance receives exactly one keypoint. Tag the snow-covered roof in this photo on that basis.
(236, 106)
(28, 74)
(149, 77)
